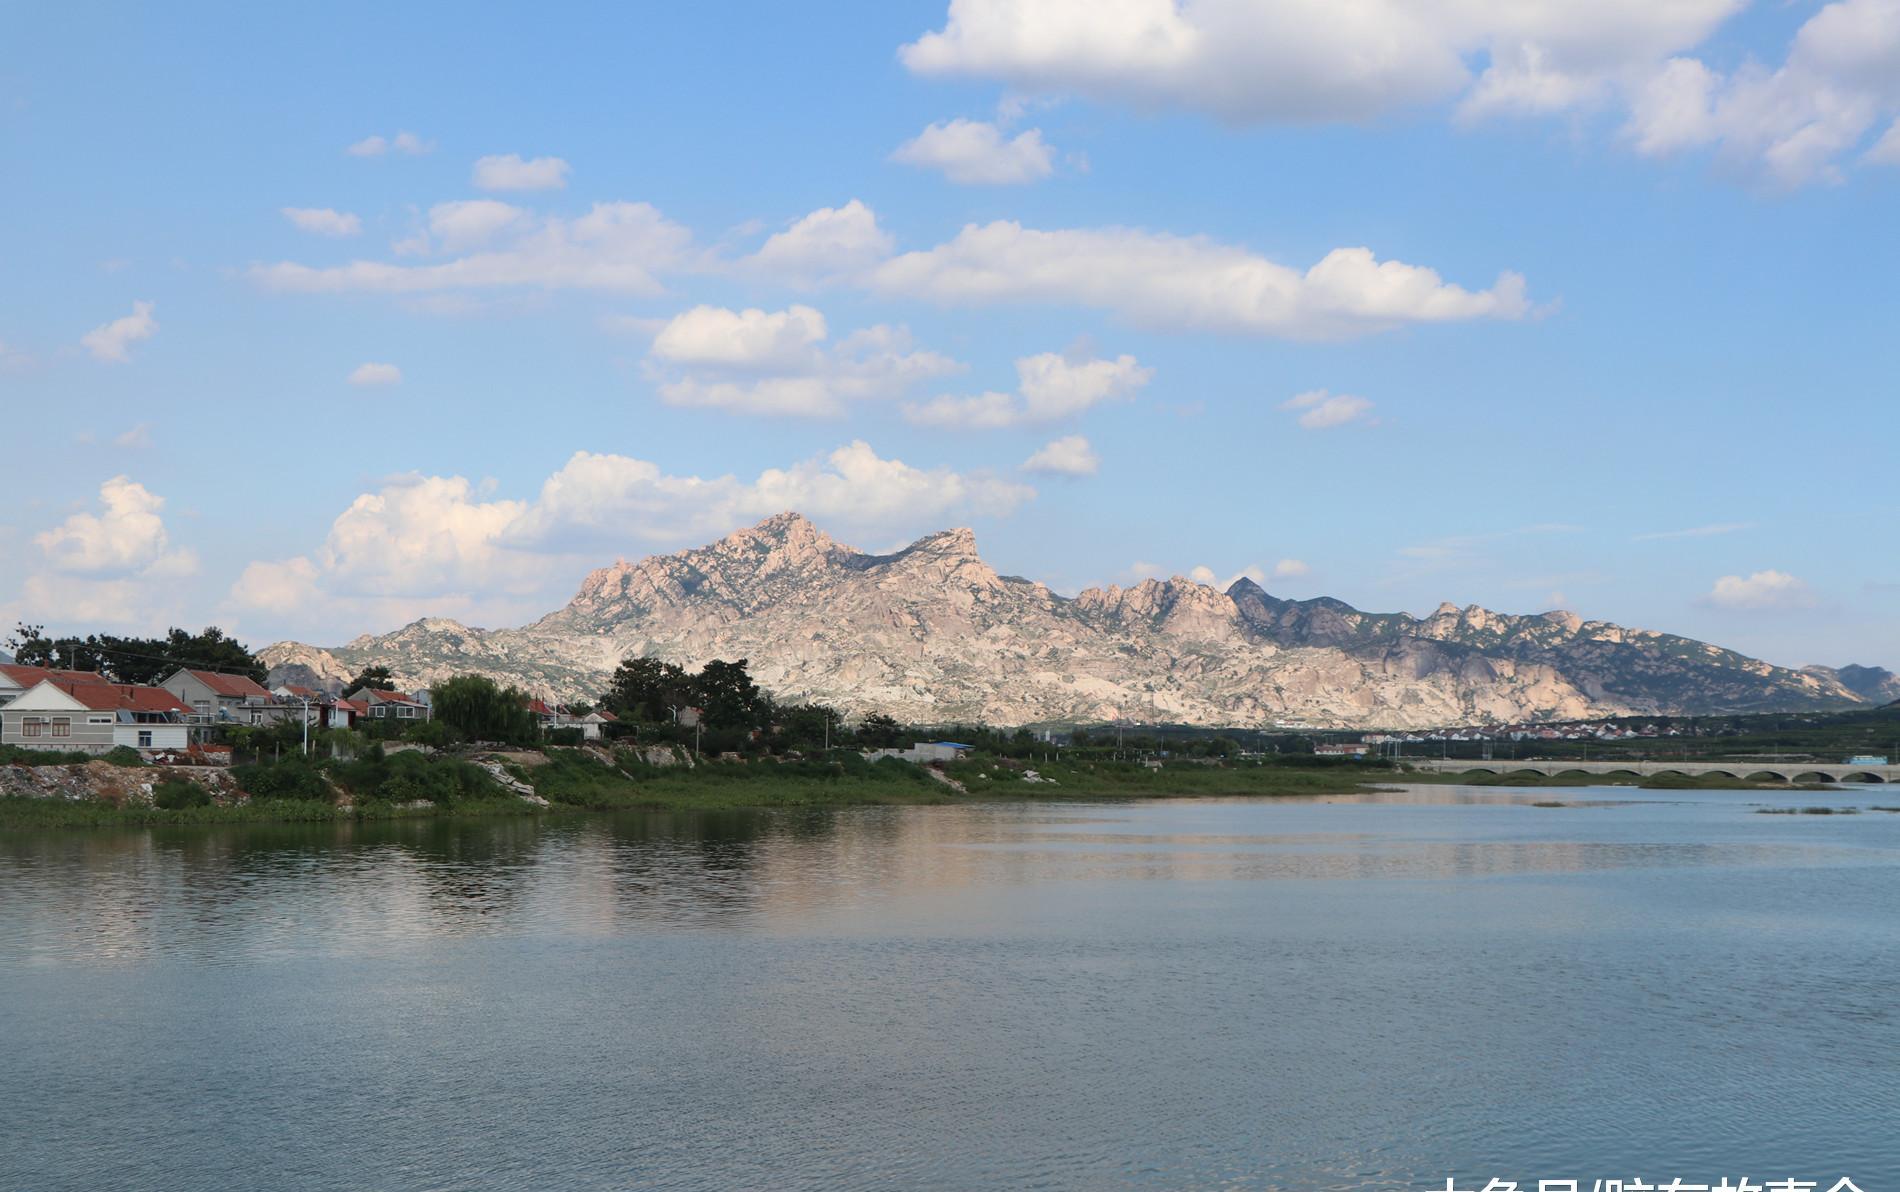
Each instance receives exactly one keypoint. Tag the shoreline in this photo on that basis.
(592, 790)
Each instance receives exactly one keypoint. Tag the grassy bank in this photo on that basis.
(574, 780)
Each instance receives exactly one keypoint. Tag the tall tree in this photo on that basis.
(478, 709)
(141, 660)
(727, 693)
(647, 689)
(376, 677)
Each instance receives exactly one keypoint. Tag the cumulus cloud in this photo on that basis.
(1049, 387)
(1310, 60)
(126, 537)
(1321, 410)
(1070, 455)
(466, 223)
(1793, 124)
(1764, 591)
(433, 537)
(1302, 61)
(1188, 282)
(508, 171)
(407, 143)
(323, 221)
(113, 341)
(830, 242)
(781, 363)
(616, 247)
(976, 153)
(371, 373)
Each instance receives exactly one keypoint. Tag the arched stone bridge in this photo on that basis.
(1742, 771)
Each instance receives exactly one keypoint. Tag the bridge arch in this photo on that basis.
(1811, 776)
(1861, 776)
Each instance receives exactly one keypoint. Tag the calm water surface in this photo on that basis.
(1350, 993)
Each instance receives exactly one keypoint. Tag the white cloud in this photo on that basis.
(1259, 573)
(1188, 282)
(1693, 532)
(467, 223)
(510, 172)
(114, 340)
(780, 363)
(323, 221)
(615, 246)
(1302, 61)
(126, 537)
(1312, 60)
(1321, 410)
(1793, 124)
(830, 242)
(403, 142)
(1050, 387)
(436, 538)
(371, 373)
(1764, 591)
(1070, 455)
(975, 153)
(137, 438)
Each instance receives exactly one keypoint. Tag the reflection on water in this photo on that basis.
(1341, 992)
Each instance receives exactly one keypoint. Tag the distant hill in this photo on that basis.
(933, 634)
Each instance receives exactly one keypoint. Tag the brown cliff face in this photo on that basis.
(933, 634)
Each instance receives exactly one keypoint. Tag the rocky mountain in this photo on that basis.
(934, 634)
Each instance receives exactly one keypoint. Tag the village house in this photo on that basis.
(344, 713)
(389, 705)
(215, 698)
(89, 715)
(16, 679)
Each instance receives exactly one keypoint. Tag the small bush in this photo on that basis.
(295, 777)
(570, 737)
(123, 755)
(176, 794)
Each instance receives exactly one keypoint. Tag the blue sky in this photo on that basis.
(317, 323)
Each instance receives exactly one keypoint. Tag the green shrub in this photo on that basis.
(176, 794)
(14, 755)
(295, 777)
(123, 755)
(569, 737)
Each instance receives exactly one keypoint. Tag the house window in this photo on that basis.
(145, 738)
(62, 727)
(406, 712)
(30, 727)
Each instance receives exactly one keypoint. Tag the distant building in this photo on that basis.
(1348, 749)
(389, 705)
(93, 717)
(16, 680)
(215, 698)
(924, 752)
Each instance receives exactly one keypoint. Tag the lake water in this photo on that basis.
(1377, 992)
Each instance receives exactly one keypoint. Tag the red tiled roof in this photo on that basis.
(231, 686)
(392, 697)
(119, 697)
(538, 708)
(28, 676)
(353, 705)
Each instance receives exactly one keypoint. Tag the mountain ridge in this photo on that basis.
(932, 633)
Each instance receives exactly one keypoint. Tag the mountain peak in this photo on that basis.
(959, 541)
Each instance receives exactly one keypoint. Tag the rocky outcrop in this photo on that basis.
(933, 634)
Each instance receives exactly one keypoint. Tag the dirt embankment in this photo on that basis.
(107, 783)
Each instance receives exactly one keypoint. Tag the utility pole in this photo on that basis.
(306, 726)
